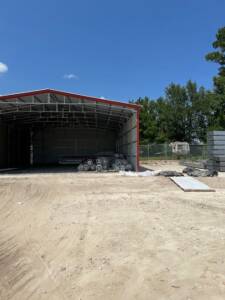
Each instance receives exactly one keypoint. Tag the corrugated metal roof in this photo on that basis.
(68, 94)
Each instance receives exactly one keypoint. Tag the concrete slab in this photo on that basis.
(190, 184)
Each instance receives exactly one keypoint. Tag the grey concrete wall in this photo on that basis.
(51, 144)
(3, 146)
(127, 140)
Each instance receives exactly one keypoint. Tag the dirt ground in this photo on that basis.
(104, 236)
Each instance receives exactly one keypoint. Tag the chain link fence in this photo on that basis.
(164, 152)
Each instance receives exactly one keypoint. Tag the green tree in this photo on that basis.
(218, 56)
(148, 126)
(183, 114)
(177, 104)
(162, 120)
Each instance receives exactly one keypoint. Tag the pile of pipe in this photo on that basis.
(103, 163)
(121, 164)
(87, 165)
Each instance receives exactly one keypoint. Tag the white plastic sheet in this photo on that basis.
(139, 174)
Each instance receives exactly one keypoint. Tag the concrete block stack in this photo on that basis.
(216, 150)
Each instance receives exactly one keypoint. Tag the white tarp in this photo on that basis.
(139, 174)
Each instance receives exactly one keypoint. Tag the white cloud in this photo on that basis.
(3, 68)
(70, 76)
(102, 97)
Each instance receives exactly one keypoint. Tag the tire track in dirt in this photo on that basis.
(16, 272)
(21, 265)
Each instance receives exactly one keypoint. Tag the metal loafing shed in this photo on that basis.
(40, 127)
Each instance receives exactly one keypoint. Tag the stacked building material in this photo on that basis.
(216, 150)
(80, 167)
(99, 164)
(121, 164)
(87, 165)
(103, 163)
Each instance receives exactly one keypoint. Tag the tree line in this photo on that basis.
(186, 113)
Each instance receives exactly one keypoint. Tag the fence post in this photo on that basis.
(165, 150)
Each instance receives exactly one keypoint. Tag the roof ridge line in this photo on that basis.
(63, 93)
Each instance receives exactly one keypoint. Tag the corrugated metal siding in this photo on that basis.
(51, 144)
(127, 140)
(14, 146)
(3, 146)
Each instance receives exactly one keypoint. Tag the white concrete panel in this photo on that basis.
(189, 184)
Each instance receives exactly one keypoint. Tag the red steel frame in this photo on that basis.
(138, 140)
(62, 93)
(100, 100)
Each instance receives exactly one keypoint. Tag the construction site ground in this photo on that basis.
(86, 236)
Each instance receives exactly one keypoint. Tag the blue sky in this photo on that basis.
(115, 49)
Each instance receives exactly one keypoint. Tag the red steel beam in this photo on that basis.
(62, 93)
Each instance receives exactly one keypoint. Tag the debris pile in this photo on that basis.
(194, 172)
(199, 164)
(169, 174)
(199, 168)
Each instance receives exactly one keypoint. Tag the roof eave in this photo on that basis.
(62, 93)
